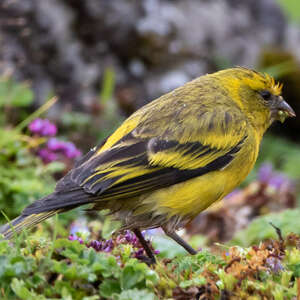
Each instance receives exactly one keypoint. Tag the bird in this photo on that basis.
(172, 158)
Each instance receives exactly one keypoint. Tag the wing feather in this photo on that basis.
(147, 158)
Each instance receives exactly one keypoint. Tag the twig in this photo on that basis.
(278, 231)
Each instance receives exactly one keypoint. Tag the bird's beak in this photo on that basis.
(284, 110)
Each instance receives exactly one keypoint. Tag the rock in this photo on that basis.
(153, 46)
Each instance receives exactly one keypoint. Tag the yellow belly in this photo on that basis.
(191, 197)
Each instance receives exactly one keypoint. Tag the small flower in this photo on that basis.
(75, 238)
(70, 150)
(105, 246)
(79, 226)
(108, 245)
(55, 145)
(36, 126)
(49, 129)
(67, 149)
(130, 237)
(96, 245)
(265, 172)
(47, 155)
(42, 127)
(139, 253)
(274, 264)
(72, 237)
(277, 181)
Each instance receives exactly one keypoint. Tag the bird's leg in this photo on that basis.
(172, 234)
(145, 245)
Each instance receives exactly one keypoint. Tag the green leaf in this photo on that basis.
(14, 93)
(66, 295)
(71, 249)
(95, 297)
(152, 276)
(109, 227)
(135, 294)
(4, 247)
(193, 282)
(21, 96)
(109, 287)
(295, 269)
(167, 247)
(292, 8)
(20, 289)
(106, 265)
(260, 229)
(55, 166)
(18, 286)
(130, 277)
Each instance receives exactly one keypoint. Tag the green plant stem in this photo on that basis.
(36, 114)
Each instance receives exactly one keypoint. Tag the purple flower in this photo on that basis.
(70, 150)
(274, 264)
(47, 155)
(48, 129)
(75, 238)
(72, 237)
(42, 127)
(79, 226)
(130, 237)
(139, 253)
(265, 172)
(96, 245)
(277, 181)
(36, 126)
(108, 245)
(105, 246)
(55, 145)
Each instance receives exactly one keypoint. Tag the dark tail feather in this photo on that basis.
(59, 200)
(25, 221)
(43, 209)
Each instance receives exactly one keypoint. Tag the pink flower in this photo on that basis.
(47, 155)
(54, 144)
(42, 127)
(36, 126)
(67, 149)
(70, 150)
(75, 238)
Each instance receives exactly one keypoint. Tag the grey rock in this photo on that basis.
(64, 46)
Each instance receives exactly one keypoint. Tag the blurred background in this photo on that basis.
(71, 71)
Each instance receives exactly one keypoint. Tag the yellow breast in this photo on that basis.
(191, 197)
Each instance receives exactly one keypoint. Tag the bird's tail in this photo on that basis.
(25, 221)
(45, 208)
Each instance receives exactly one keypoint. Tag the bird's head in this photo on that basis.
(257, 95)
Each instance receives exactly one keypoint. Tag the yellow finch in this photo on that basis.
(172, 158)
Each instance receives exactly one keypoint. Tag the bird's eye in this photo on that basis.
(265, 94)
